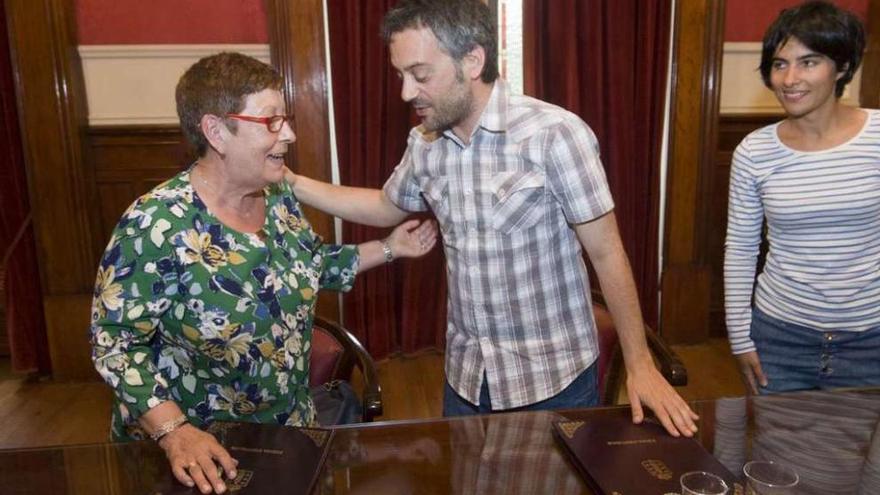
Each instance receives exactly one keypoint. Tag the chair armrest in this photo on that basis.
(671, 366)
(356, 355)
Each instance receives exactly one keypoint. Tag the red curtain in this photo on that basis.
(25, 326)
(401, 307)
(606, 61)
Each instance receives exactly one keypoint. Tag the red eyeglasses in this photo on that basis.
(273, 123)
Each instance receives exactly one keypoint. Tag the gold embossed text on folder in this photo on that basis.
(616, 456)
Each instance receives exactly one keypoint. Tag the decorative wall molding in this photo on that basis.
(134, 84)
(743, 92)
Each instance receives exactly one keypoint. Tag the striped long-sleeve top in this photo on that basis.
(823, 229)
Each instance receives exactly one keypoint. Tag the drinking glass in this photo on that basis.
(702, 483)
(770, 478)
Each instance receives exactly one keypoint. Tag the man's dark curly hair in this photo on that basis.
(459, 25)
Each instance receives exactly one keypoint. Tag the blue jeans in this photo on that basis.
(795, 357)
(582, 392)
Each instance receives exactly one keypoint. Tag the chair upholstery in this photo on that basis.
(611, 359)
(326, 357)
(335, 354)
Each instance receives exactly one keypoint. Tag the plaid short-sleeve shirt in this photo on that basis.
(519, 300)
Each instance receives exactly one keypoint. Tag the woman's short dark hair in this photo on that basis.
(217, 85)
(822, 27)
(459, 25)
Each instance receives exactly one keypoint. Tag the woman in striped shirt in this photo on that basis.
(814, 321)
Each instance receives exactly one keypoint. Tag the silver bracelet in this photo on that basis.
(167, 427)
(386, 248)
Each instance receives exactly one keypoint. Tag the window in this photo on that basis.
(510, 43)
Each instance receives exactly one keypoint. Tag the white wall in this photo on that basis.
(134, 84)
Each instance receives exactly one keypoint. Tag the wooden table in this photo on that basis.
(831, 438)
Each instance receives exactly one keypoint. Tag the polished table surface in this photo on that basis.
(831, 438)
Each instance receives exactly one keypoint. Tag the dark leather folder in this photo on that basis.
(272, 459)
(617, 457)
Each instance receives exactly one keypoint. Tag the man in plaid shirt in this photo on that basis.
(518, 189)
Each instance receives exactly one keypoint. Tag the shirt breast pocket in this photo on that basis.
(519, 198)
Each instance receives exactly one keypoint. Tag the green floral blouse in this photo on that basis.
(219, 321)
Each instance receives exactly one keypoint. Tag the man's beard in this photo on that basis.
(455, 106)
(449, 112)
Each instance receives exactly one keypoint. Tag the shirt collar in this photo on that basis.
(494, 117)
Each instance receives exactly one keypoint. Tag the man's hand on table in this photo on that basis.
(646, 387)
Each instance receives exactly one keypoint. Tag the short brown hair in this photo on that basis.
(459, 26)
(217, 85)
(822, 27)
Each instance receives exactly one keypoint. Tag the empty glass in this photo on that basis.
(770, 478)
(702, 483)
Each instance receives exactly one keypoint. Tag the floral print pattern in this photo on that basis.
(219, 321)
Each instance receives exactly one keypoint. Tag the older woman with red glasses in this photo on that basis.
(206, 293)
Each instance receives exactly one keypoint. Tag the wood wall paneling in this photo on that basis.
(4, 336)
(128, 161)
(53, 120)
(870, 89)
(52, 109)
(296, 38)
(67, 320)
(685, 282)
(731, 130)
